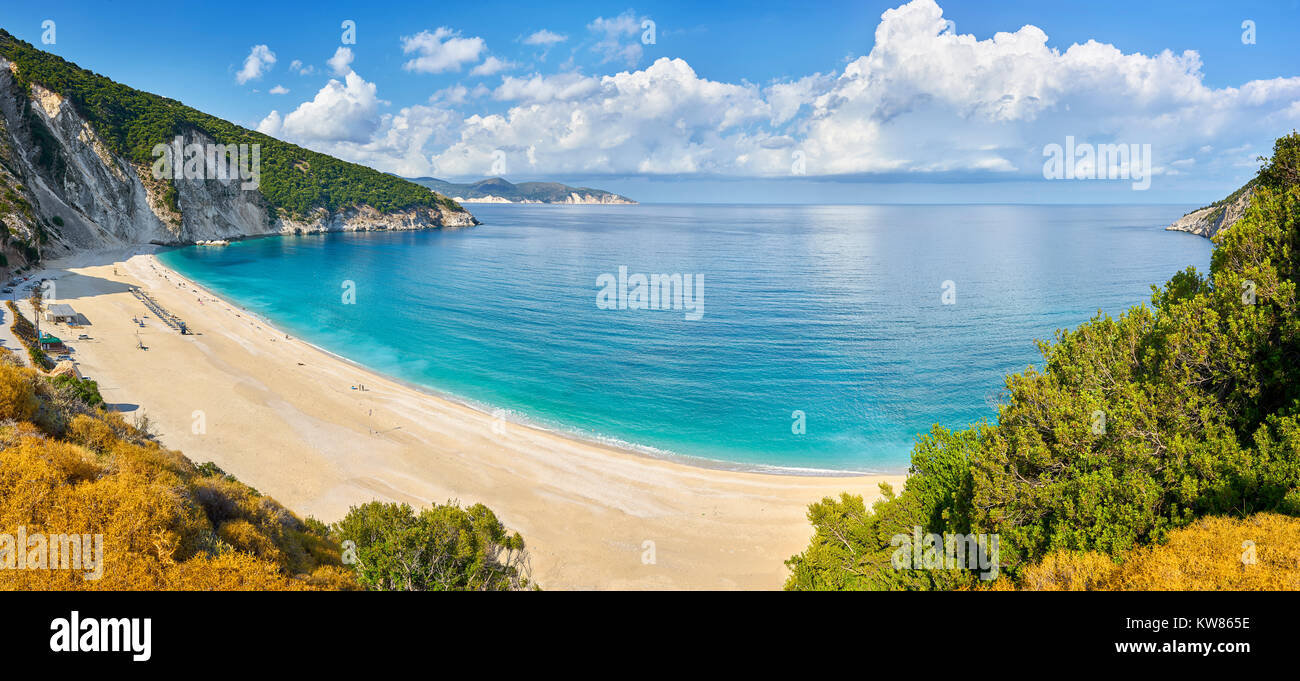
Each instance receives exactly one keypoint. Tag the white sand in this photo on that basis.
(281, 416)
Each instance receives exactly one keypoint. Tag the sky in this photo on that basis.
(946, 101)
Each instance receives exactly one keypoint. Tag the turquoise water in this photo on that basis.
(834, 311)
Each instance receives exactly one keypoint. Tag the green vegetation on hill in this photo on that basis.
(131, 122)
(1222, 204)
(1279, 171)
(1134, 428)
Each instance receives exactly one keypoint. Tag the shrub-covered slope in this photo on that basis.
(69, 468)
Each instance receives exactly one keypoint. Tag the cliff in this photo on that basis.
(1216, 217)
(77, 172)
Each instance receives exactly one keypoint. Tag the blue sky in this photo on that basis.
(748, 101)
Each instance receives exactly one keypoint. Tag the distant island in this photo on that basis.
(499, 190)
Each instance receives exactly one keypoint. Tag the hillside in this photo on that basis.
(70, 468)
(1218, 216)
(90, 500)
(77, 171)
(498, 190)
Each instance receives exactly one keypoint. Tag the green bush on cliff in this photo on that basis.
(1133, 428)
(83, 389)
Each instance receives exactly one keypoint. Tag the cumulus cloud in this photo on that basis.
(664, 119)
(619, 38)
(490, 66)
(344, 110)
(341, 62)
(924, 100)
(539, 88)
(279, 90)
(545, 38)
(441, 50)
(345, 119)
(260, 59)
(458, 94)
(787, 99)
(296, 66)
(929, 99)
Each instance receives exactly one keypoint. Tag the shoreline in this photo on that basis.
(488, 410)
(280, 415)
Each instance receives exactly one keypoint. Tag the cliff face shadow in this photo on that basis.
(67, 287)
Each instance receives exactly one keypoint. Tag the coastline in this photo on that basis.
(491, 411)
(590, 512)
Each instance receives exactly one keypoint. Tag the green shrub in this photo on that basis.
(443, 548)
(84, 389)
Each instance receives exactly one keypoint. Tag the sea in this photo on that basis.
(811, 339)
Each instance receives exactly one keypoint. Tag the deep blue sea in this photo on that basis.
(874, 322)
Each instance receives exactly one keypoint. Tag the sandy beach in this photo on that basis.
(287, 419)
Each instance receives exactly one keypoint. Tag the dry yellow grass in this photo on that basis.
(165, 523)
(1257, 553)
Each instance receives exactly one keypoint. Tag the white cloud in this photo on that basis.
(442, 50)
(788, 98)
(664, 119)
(341, 62)
(927, 99)
(455, 94)
(490, 66)
(923, 100)
(344, 119)
(619, 38)
(343, 111)
(279, 90)
(296, 66)
(260, 59)
(545, 38)
(272, 124)
(458, 94)
(539, 88)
